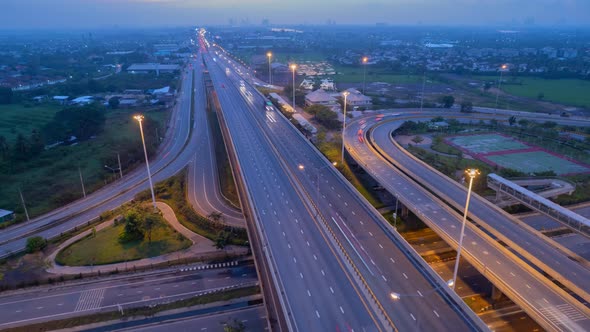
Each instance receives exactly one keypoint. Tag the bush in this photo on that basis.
(35, 243)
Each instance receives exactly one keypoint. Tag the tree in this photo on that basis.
(327, 118)
(3, 147)
(114, 102)
(6, 95)
(36, 142)
(447, 101)
(82, 122)
(234, 325)
(21, 148)
(35, 243)
(132, 230)
(467, 106)
(512, 120)
(151, 222)
(215, 216)
(417, 139)
(222, 239)
(314, 109)
(540, 96)
(487, 86)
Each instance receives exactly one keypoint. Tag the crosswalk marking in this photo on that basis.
(562, 312)
(90, 299)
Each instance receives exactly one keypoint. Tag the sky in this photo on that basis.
(60, 14)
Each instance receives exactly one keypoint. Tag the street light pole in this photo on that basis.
(499, 83)
(22, 199)
(317, 176)
(293, 67)
(364, 60)
(82, 182)
(269, 55)
(345, 94)
(139, 119)
(120, 169)
(472, 173)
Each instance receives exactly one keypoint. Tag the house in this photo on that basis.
(83, 100)
(321, 97)
(356, 98)
(307, 84)
(6, 215)
(327, 84)
(62, 100)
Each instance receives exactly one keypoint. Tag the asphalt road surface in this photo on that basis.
(55, 302)
(533, 292)
(253, 319)
(266, 142)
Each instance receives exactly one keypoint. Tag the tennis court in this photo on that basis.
(486, 143)
(536, 161)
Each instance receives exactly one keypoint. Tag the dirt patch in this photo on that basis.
(23, 270)
(409, 139)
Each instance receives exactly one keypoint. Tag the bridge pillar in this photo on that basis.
(496, 293)
(405, 211)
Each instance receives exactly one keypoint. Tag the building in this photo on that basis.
(356, 98)
(321, 97)
(327, 84)
(307, 84)
(6, 215)
(62, 100)
(147, 68)
(83, 100)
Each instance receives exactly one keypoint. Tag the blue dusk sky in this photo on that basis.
(58, 14)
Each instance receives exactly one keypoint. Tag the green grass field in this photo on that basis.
(347, 74)
(537, 161)
(487, 143)
(16, 118)
(566, 91)
(105, 248)
(51, 179)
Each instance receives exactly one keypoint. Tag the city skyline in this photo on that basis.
(36, 14)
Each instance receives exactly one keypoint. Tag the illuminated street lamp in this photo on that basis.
(293, 67)
(139, 119)
(301, 167)
(364, 61)
(502, 68)
(269, 55)
(345, 94)
(472, 173)
(397, 296)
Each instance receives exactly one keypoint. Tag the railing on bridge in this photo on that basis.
(567, 217)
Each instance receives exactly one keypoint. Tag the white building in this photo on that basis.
(356, 98)
(321, 97)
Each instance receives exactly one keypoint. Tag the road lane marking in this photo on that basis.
(391, 259)
(341, 310)
(436, 313)
(405, 275)
(414, 318)
(331, 290)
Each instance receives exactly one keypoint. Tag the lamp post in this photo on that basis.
(345, 94)
(139, 119)
(472, 173)
(502, 68)
(269, 55)
(364, 61)
(301, 167)
(293, 67)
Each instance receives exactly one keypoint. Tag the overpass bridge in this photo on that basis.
(572, 220)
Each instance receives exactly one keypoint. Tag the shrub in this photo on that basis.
(35, 243)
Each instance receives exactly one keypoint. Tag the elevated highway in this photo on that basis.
(428, 194)
(328, 246)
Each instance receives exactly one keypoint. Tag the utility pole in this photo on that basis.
(22, 199)
(82, 182)
(120, 169)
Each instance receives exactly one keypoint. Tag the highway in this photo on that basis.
(551, 307)
(317, 300)
(286, 199)
(174, 154)
(252, 318)
(83, 298)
